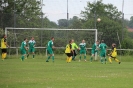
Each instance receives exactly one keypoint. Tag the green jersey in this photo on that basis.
(94, 46)
(74, 46)
(31, 43)
(23, 44)
(103, 47)
(82, 46)
(50, 44)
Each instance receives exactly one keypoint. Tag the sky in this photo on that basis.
(57, 9)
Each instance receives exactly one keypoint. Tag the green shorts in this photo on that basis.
(23, 51)
(31, 50)
(82, 51)
(93, 51)
(50, 51)
(102, 54)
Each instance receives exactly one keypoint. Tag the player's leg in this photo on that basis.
(110, 59)
(70, 59)
(23, 52)
(74, 55)
(28, 52)
(53, 57)
(84, 55)
(33, 53)
(49, 52)
(92, 55)
(117, 60)
(4, 53)
(80, 56)
(105, 60)
(67, 59)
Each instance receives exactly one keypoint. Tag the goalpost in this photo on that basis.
(43, 35)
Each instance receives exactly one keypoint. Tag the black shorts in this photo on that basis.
(69, 54)
(4, 50)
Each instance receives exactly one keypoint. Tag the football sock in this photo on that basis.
(22, 58)
(110, 60)
(84, 57)
(91, 59)
(73, 57)
(3, 56)
(53, 58)
(33, 55)
(117, 60)
(67, 59)
(70, 58)
(48, 58)
(101, 60)
(27, 55)
(80, 57)
(105, 60)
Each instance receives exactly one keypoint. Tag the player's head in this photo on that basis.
(3, 36)
(102, 41)
(97, 42)
(113, 45)
(25, 39)
(52, 38)
(32, 38)
(70, 41)
(83, 41)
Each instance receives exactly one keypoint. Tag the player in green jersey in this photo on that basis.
(23, 49)
(82, 47)
(31, 43)
(50, 48)
(94, 50)
(103, 51)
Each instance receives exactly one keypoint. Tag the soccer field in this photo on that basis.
(36, 73)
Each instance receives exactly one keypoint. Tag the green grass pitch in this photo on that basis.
(36, 73)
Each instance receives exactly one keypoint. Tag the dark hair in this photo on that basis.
(3, 35)
(52, 37)
(25, 39)
(70, 41)
(102, 41)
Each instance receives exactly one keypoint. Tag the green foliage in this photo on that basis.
(131, 22)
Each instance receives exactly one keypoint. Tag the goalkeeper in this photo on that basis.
(74, 47)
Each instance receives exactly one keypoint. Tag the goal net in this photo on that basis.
(43, 35)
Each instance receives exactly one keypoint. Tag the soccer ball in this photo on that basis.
(98, 19)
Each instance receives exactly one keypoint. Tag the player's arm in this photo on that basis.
(77, 46)
(6, 43)
(25, 47)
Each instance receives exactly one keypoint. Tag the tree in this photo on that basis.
(19, 13)
(131, 22)
(110, 22)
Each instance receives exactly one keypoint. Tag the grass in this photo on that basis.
(36, 73)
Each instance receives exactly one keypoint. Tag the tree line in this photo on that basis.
(28, 14)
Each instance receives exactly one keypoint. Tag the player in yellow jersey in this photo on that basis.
(4, 46)
(69, 52)
(113, 54)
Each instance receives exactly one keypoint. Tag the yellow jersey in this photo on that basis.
(68, 48)
(3, 45)
(114, 52)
